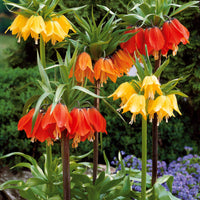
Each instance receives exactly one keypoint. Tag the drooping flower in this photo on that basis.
(136, 104)
(38, 133)
(57, 120)
(17, 26)
(122, 61)
(85, 121)
(97, 121)
(56, 29)
(83, 68)
(174, 103)
(103, 69)
(124, 91)
(64, 23)
(136, 42)
(34, 26)
(151, 85)
(163, 106)
(174, 33)
(154, 40)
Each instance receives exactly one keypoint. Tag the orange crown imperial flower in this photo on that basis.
(83, 68)
(174, 33)
(122, 61)
(57, 121)
(25, 123)
(103, 69)
(151, 85)
(84, 123)
(136, 104)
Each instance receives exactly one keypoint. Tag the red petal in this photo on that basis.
(26, 119)
(97, 121)
(156, 38)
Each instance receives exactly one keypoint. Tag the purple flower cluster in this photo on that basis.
(185, 170)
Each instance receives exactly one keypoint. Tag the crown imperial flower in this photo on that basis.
(38, 133)
(84, 123)
(163, 106)
(151, 85)
(83, 68)
(57, 120)
(124, 91)
(136, 104)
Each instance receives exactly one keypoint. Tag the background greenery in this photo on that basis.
(17, 68)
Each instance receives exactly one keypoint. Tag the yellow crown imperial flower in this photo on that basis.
(174, 103)
(17, 26)
(34, 26)
(151, 85)
(136, 104)
(124, 91)
(57, 29)
(65, 24)
(163, 106)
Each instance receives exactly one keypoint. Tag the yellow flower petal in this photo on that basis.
(151, 85)
(124, 91)
(136, 104)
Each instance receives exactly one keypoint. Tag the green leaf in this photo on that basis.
(43, 74)
(161, 68)
(15, 184)
(82, 89)
(177, 92)
(29, 102)
(28, 194)
(183, 7)
(35, 181)
(107, 163)
(38, 106)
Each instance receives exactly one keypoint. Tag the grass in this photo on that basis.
(6, 42)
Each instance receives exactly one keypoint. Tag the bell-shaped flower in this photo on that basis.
(174, 103)
(97, 121)
(17, 26)
(85, 121)
(83, 68)
(124, 91)
(174, 33)
(80, 128)
(37, 133)
(163, 106)
(103, 69)
(34, 26)
(57, 120)
(122, 61)
(136, 42)
(154, 40)
(136, 104)
(151, 85)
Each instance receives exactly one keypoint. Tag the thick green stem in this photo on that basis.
(66, 165)
(144, 158)
(42, 52)
(155, 136)
(96, 141)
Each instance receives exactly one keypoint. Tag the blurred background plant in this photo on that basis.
(17, 68)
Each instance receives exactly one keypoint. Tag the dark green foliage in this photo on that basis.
(187, 64)
(12, 100)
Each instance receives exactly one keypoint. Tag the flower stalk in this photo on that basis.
(96, 142)
(155, 135)
(42, 52)
(144, 158)
(66, 165)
